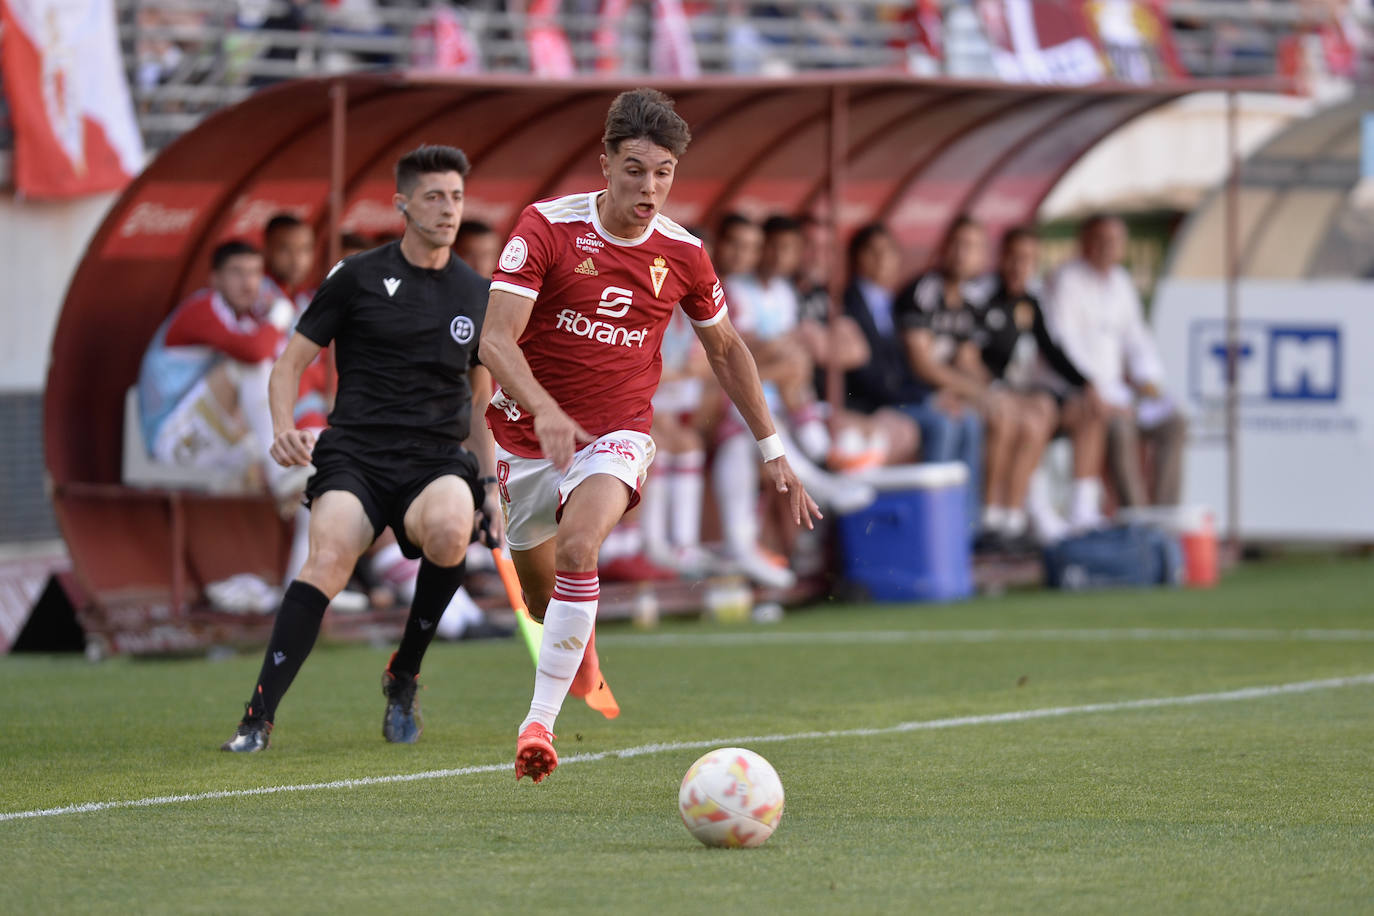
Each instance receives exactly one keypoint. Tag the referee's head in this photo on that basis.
(429, 193)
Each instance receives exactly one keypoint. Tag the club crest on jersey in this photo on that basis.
(586, 268)
(658, 272)
(461, 329)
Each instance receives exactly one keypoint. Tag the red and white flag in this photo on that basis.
(672, 52)
(74, 126)
(551, 54)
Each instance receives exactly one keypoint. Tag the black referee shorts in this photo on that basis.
(386, 469)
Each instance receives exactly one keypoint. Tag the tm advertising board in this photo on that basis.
(1305, 383)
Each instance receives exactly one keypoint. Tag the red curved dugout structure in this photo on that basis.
(912, 153)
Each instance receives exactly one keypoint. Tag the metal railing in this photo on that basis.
(187, 58)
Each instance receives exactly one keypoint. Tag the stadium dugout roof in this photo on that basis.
(1304, 212)
(909, 152)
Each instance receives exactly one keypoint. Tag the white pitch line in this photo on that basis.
(1104, 634)
(1024, 715)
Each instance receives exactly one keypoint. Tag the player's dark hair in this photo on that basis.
(354, 240)
(730, 221)
(1018, 234)
(778, 224)
(281, 221)
(1094, 220)
(861, 239)
(471, 227)
(426, 160)
(645, 114)
(230, 249)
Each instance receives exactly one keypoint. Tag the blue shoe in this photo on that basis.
(401, 724)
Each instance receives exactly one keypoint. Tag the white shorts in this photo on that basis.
(533, 491)
(199, 433)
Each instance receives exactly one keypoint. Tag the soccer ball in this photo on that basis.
(731, 797)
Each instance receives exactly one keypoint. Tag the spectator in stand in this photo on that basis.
(797, 251)
(683, 419)
(765, 309)
(1018, 353)
(886, 379)
(351, 243)
(203, 382)
(1095, 315)
(765, 312)
(478, 246)
(288, 245)
(937, 318)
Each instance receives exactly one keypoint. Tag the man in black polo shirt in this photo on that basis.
(1048, 392)
(406, 319)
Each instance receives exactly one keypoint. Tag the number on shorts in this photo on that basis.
(503, 475)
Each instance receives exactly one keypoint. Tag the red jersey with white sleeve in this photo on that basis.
(601, 305)
(205, 319)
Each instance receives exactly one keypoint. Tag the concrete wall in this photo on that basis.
(40, 246)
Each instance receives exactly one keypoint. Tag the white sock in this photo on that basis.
(814, 439)
(1014, 522)
(654, 504)
(735, 478)
(391, 566)
(625, 540)
(568, 625)
(829, 490)
(462, 612)
(685, 487)
(300, 545)
(994, 518)
(1087, 501)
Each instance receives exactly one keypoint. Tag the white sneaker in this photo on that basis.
(244, 593)
(759, 568)
(838, 494)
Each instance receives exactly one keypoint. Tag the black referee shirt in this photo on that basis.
(406, 337)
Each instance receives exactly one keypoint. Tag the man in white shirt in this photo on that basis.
(1094, 313)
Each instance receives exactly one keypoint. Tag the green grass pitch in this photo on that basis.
(1258, 804)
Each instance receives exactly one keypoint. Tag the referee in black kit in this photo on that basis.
(406, 318)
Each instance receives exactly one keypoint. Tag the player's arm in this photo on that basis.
(499, 351)
(734, 368)
(919, 344)
(290, 446)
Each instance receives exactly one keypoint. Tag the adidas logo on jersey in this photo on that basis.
(571, 644)
(586, 268)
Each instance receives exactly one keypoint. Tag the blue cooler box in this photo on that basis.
(912, 543)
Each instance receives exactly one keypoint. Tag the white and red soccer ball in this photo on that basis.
(731, 797)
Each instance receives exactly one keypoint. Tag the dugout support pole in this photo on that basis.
(1232, 327)
(338, 134)
(838, 142)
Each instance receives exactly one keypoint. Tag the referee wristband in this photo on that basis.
(771, 447)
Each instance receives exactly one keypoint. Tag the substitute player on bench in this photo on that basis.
(406, 318)
(583, 291)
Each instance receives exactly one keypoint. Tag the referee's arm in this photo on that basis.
(290, 446)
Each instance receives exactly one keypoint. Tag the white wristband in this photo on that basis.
(771, 447)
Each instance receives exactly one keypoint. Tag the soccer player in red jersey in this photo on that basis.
(582, 294)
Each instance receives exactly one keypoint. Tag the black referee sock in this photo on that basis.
(435, 587)
(293, 636)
